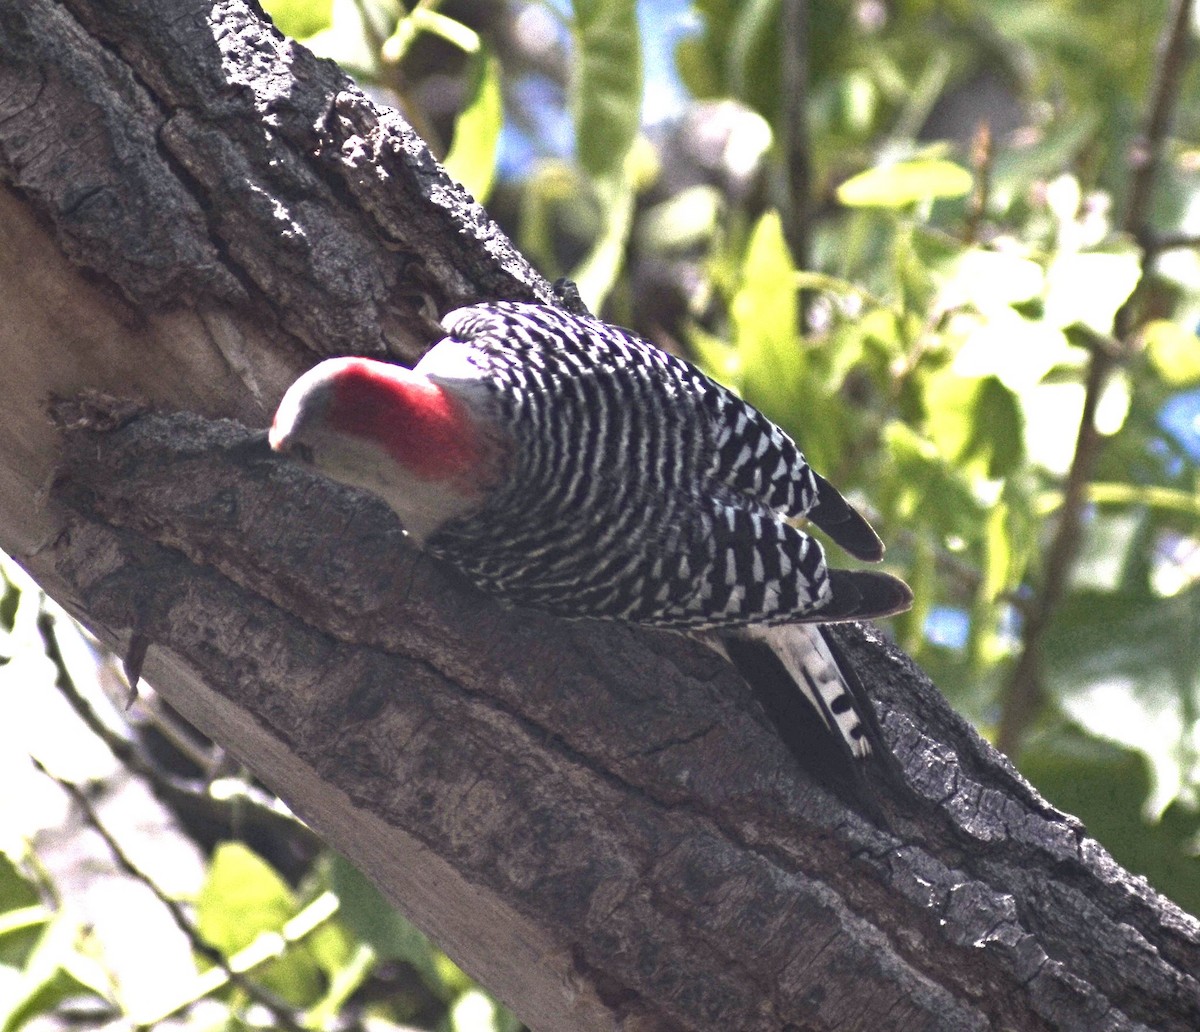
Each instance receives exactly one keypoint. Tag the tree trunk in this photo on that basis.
(595, 821)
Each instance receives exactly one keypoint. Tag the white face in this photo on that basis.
(300, 431)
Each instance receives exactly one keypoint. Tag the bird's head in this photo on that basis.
(391, 431)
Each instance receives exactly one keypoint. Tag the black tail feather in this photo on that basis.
(863, 594)
(843, 523)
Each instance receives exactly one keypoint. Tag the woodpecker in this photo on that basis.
(566, 464)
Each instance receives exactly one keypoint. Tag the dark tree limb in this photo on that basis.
(596, 821)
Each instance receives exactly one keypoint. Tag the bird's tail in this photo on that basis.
(797, 672)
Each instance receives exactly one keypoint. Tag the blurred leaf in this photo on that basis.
(378, 924)
(1048, 154)
(606, 84)
(595, 275)
(425, 19)
(1174, 352)
(997, 433)
(716, 357)
(751, 23)
(1112, 407)
(606, 100)
(1017, 351)
(1088, 287)
(51, 974)
(472, 157)
(929, 490)
(347, 39)
(1129, 671)
(976, 419)
(242, 897)
(905, 183)
(1106, 786)
(685, 220)
(764, 315)
(344, 980)
(451, 30)
(989, 279)
(300, 18)
(1052, 415)
(23, 919)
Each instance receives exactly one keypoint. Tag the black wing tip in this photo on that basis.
(845, 525)
(865, 594)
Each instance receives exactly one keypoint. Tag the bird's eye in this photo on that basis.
(304, 453)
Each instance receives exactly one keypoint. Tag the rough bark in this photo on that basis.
(594, 820)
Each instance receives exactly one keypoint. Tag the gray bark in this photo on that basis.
(594, 820)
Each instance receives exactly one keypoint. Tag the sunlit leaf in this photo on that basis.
(1089, 287)
(991, 279)
(930, 490)
(905, 183)
(1113, 405)
(683, 221)
(46, 978)
(1052, 414)
(976, 420)
(242, 897)
(1174, 352)
(1017, 351)
(472, 157)
(765, 313)
(425, 19)
(450, 29)
(300, 19)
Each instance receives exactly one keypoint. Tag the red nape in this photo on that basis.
(424, 429)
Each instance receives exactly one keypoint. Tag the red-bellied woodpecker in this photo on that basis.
(566, 464)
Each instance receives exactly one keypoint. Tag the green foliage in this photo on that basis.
(472, 156)
(905, 183)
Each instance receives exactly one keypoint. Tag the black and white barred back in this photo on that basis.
(639, 489)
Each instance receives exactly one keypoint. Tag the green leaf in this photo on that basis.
(606, 84)
(1088, 287)
(926, 489)
(1106, 786)
(472, 157)
(606, 99)
(905, 183)
(1129, 672)
(976, 420)
(243, 897)
(597, 273)
(48, 977)
(378, 924)
(1174, 352)
(990, 279)
(764, 314)
(300, 19)
(998, 431)
(20, 906)
(753, 23)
